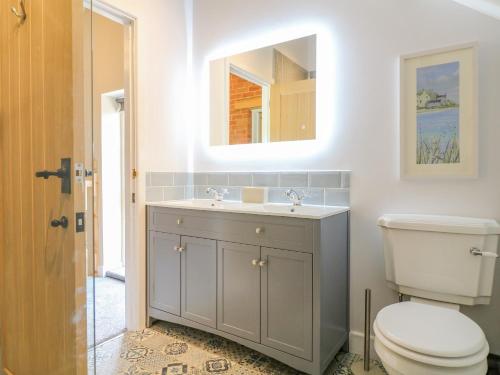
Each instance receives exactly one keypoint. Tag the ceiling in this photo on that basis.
(488, 7)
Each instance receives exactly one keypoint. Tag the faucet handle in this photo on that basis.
(216, 193)
(296, 197)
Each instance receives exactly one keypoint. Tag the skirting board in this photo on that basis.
(357, 344)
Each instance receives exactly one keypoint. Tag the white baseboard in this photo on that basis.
(357, 344)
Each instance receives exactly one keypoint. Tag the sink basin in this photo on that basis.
(298, 210)
(201, 203)
(272, 209)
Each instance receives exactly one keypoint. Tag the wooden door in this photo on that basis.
(287, 301)
(293, 111)
(238, 290)
(42, 268)
(199, 280)
(164, 267)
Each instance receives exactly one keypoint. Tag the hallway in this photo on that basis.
(109, 309)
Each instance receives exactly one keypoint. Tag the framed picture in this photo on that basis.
(438, 124)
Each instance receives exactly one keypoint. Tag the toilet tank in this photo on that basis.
(433, 256)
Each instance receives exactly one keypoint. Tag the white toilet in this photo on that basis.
(441, 262)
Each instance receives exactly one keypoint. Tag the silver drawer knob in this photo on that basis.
(255, 262)
(179, 221)
(262, 263)
(180, 249)
(259, 230)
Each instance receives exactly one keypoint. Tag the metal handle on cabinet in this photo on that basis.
(255, 262)
(262, 263)
(179, 249)
(179, 221)
(259, 230)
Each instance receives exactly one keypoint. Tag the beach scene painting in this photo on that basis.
(438, 120)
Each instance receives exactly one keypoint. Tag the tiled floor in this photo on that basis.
(168, 349)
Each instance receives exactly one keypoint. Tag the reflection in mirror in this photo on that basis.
(264, 95)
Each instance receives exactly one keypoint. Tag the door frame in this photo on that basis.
(266, 99)
(131, 210)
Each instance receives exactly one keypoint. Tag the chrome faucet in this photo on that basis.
(295, 197)
(216, 194)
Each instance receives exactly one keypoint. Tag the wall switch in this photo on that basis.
(80, 222)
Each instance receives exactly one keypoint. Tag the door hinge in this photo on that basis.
(134, 173)
(133, 197)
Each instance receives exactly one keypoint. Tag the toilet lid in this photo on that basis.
(431, 330)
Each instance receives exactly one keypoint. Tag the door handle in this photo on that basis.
(62, 222)
(46, 174)
(64, 173)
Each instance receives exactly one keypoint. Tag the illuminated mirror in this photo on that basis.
(264, 95)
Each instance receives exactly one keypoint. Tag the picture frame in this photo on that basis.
(438, 113)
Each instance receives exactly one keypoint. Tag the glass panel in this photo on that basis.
(109, 108)
(89, 184)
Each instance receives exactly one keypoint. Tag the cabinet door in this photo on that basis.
(238, 290)
(199, 280)
(164, 269)
(286, 279)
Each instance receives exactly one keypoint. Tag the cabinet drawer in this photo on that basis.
(270, 231)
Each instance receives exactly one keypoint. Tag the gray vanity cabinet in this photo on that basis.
(199, 280)
(164, 272)
(276, 284)
(239, 290)
(286, 304)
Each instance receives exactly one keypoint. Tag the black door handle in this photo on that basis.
(61, 173)
(62, 222)
(64, 173)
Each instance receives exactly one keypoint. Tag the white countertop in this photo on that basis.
(269, 209)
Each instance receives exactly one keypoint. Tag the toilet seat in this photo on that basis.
(432, 335)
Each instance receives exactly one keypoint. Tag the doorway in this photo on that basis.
(113, 161)
(112, 225)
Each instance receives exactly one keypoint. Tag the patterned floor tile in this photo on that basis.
(171, 349)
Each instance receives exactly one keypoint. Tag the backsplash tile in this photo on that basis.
(293, 179)
(173, 193)
(154, 194)
(183, 178)
(269, 179)
(189, 192)
(346, 180)
(239, 179)
(325, 179)
(161, 179)
(314, 196)
(200, 179)
(337, 197)
(217, 179)
(277, 195)
(200, 192)
(321, 187)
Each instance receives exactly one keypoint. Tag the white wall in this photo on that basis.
(162, 59)
(368, 36)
